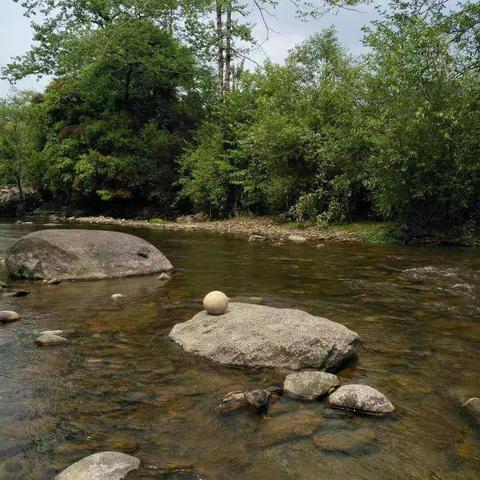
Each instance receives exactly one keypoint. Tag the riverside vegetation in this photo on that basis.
(151, 105)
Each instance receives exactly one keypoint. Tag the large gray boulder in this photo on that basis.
(101, 466)
(259, 336)
(71, 254)
(361, 399)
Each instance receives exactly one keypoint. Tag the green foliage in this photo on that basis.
(114, 131)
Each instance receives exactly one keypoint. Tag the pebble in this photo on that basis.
(117, 296)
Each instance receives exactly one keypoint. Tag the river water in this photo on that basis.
(120, 384)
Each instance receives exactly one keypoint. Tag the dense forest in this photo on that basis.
(151, 104)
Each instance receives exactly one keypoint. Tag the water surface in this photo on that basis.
(122, 385)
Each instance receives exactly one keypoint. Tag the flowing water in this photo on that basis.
(120, 384)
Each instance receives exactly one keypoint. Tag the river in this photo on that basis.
(121, 384)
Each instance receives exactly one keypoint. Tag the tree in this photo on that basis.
(17, 143)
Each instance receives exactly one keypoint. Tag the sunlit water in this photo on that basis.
(120, 384)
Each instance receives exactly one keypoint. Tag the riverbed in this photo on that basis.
(121, 384)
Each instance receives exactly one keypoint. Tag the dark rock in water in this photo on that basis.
(310, 385)
(259, 336)
(258, 238)
(361, 399)
(101, 466)
(344, 441)
(7, 316)
(233, 401)
(472, 406)
(257, 400)
(18, 293)
(83, 255)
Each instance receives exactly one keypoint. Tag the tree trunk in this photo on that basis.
(21, 203)
(220, 48)
(228, 50)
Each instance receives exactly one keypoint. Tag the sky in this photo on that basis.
(16, 35)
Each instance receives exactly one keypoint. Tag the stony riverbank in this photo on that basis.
(255, 228)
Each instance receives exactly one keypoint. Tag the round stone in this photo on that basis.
(310, 385)
(215, 303)
(117, 296)
(7, 316)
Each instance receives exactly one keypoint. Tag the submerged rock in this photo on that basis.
(50, 339)
(310, 385)
(164, 277)
(101, 466)
(472, 406)
(361, 399)
(8, 316)
(72, 254)
(344, 441)
(281, 428)
(18, 293)
(257, 238)
(260, 336)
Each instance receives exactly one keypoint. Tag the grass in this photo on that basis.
(157, 221)
(368, 231)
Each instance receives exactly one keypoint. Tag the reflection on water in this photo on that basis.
(122, 385)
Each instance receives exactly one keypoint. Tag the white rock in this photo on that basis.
(215, 303)
(297, 239)
(164, 276)
(7, 316)
(52, 332)
(117, 296)
(101, 466)
(50, 339)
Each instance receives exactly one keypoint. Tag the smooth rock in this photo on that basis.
(72, 254)
(260, 336)
(257, 238)
(164, 276)
(361, 399)
(310, 385)
(54, 281)
(344, 441)
(297, 239)
(50, 339)
(52, 332)
(8, 316)
(117, 296)
(215, 303)
(472, 406)
(101, 466)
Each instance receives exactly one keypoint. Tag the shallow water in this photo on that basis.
(122, 385)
